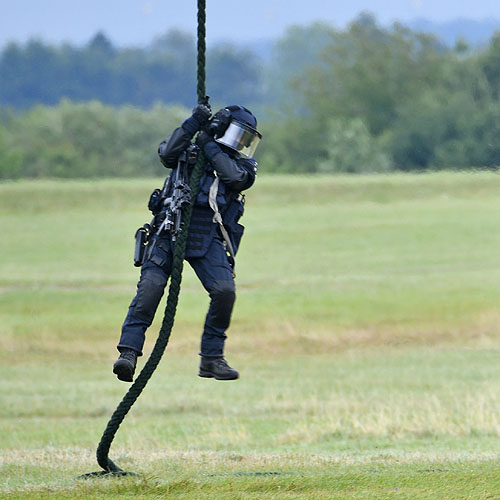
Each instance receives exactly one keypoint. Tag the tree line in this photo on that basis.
(362, 99)
(165, 71)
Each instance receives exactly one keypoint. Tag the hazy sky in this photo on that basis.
(136, 22)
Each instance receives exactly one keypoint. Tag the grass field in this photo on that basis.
(366, 331)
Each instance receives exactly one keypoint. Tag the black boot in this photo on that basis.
(124, 366)
(217, 368)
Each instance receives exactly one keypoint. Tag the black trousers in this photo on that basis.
(214, 272)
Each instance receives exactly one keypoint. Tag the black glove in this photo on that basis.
(203, 139)
(202, 114)
(220, 122)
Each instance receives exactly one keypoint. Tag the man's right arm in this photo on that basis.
(170, 149)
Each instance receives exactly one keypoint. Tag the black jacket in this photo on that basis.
(235, 174)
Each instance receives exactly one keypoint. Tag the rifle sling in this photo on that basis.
(212, 201)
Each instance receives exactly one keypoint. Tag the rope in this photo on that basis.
(174, 288)
(163, 337)
(201, 49)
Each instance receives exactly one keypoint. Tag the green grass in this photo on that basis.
(366, 331)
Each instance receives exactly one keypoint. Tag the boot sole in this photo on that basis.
(123, 372)
(206, 374)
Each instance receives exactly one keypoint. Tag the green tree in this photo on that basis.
(351, 148)
(490, 64)
(91, 139)
(452, 125)
(368, 71)
(10, 159)
(364, 74)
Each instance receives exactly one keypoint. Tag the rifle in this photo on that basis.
(181, 193)
(167, 209)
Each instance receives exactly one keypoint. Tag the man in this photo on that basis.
(228, 141)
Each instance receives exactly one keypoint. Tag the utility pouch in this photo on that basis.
(155, 201)
(142, 236)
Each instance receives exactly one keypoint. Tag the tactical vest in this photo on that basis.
(203, 229)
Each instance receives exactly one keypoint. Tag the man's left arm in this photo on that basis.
(236, 174)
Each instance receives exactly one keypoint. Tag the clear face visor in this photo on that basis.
(240, 137)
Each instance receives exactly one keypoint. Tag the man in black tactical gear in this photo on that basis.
(228, 140)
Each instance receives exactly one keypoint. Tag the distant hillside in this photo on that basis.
(477, 33)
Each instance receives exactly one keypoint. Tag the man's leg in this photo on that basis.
(216, 275)
(154, 276)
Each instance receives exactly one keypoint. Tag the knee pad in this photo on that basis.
(223, 291)
(149, 294)
(223, 295)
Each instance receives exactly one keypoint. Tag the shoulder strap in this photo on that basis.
(212, 201)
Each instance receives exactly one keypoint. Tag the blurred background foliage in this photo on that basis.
(363, 99)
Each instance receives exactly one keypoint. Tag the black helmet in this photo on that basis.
(236, 128)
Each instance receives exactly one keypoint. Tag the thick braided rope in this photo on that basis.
(201, 50)
(174, 288)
